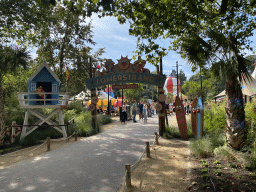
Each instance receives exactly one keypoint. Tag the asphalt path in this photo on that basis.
(96, 163)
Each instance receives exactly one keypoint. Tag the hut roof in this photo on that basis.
(44, 64)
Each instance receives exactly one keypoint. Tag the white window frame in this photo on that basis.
(33, 87)
(54, 88)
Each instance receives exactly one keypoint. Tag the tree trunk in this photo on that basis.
(236, 129)
(2, 116)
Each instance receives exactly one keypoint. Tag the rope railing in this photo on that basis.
(130, 168)
(46, 141)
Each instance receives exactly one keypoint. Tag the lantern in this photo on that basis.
(170, 85)
(198, 110)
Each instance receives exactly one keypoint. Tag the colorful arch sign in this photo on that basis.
(125, 72)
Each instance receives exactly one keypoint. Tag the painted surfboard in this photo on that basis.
(200, 118)
(181, 119)
(194, 117)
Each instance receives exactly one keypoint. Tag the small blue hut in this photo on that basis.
(44, 77)
(43, 92)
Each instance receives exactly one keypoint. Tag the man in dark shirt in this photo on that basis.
(141, 110)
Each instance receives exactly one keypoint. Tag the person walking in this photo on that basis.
(141, 110)
(145, 111)
(123, 114)
(134, 109)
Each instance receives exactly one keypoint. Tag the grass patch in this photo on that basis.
(216, 162)
(205, 176)
(205, 170)
(201, 147)
(172, 132)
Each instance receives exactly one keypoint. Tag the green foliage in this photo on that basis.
(82, 124)
(224, 151)
(172, 132)
(68, 115)
(77, 106)
(215, 118)
(16, 114)
(104, 119)
(30, 140)
(201, 147)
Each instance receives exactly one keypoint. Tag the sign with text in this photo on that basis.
(125, 86)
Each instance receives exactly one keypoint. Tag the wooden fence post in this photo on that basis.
(147, 149)
(128, 176)
(75, 135)
(48, 144)
(156, 138)
(13, 132)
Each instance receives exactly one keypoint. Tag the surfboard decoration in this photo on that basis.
(181, 119)
(200, 112)
(194, 117)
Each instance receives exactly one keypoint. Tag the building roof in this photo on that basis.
(44, 64)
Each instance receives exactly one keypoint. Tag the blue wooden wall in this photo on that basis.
(43, 77)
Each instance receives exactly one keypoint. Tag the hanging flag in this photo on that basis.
(67, 74)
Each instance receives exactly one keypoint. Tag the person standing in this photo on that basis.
(145, 111)
(134, 109)
(123, 114)
(141, 110)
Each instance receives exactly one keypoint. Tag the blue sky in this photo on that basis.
(115, 38)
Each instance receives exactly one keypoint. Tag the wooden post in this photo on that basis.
(75, 135)
(147, 149)
(13, 132)
(48, 144)
(93, 95)
(156, 138)
(128, 176)
(161, 113)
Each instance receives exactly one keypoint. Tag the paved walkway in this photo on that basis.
(93, 164)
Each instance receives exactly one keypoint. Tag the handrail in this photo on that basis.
(53, 93)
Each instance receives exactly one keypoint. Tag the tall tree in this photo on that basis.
(10, 60)
(65, 44)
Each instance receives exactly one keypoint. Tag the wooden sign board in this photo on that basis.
(194, 117)
(181, 119)
(126, 86)
(200, 117)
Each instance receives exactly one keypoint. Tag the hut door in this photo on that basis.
(47, 87)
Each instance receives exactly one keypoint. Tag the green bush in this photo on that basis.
(104, 119)
(30, 140)
(83, 125)
(172, 132)
(68, 115)
(16, 114)
(201, 147)
(224, 151)
(189, 126)
(215, 118)
(77, 106)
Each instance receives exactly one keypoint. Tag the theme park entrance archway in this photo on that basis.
(125, 72)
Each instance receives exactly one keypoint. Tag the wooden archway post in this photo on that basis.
(93, 95)
(161, 115)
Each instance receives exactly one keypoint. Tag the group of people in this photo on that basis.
(145, 109)
(171, 108)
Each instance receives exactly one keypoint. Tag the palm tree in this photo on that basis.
(226, 63)
(10, 60)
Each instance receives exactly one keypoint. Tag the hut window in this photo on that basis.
(54, 88)
(33, 87)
